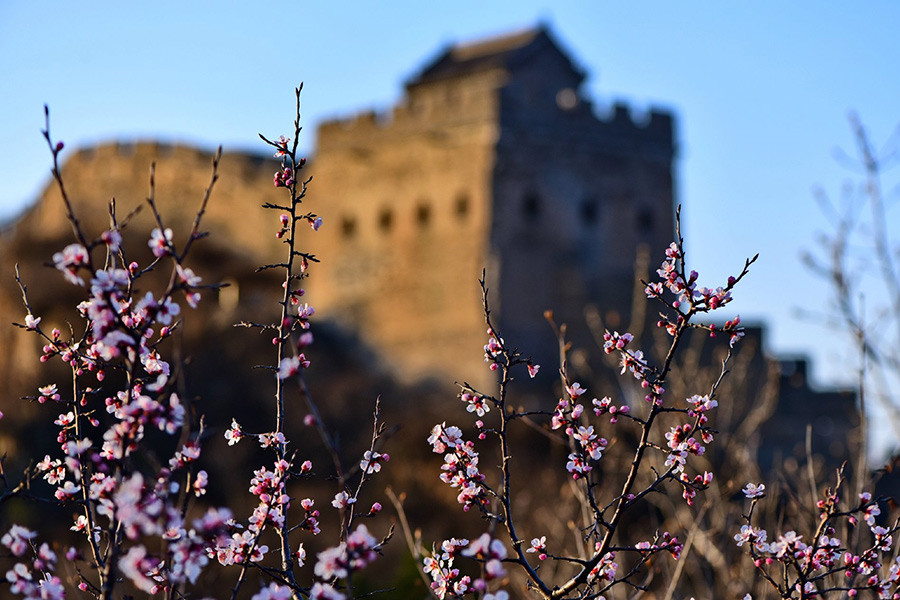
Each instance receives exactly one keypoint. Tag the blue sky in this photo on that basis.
(761, 90)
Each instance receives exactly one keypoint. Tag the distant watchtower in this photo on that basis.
(492, 159)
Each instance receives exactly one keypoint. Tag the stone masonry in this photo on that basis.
(493, 159)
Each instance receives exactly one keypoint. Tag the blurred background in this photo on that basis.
(761, 94)
(767, 160)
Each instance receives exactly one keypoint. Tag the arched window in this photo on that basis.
(462, 206)
(588, 211)
(644, 220)
(348, 227)
(423, 214)
(385, 220)
(531, 206)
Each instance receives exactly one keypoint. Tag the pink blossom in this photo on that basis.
(73, 257)
(187, 276)
(753, 490)
(67, 492)
(200, 483)
(17, 539)
(614, 341)
(135, 565)
(342, 500)
(113, 240)
(160, 242)
(477, 404)
(371, 461)
(577, 466)
(443, 437)
(234, 433)
(575, 390)
(290, 366)
(281, 145)
(268, 440)
(332, 563)
(48, 392)
(324, 591)
(274, 592)
(539, 545)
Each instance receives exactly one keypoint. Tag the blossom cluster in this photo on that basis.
(132, 505)
(825, 562)
(446, 577)
(37, 579)
(690, 298)
(132, 513)
(460, 468)
(586, 447)
(568, 416)
(493, 350)
(664, 542)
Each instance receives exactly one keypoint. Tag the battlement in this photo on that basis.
(131, 148)
(363, 122)
(655, 124)
(250, 165)
(495, 159)
(466, 102)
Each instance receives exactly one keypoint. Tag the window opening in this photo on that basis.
(423, 214)
(531, 206)
(462, 206)
(385, 220)
(348, 227)
(589, 211)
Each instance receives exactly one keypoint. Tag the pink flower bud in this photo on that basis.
(376, 508)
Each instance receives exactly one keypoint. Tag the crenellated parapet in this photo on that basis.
(656, 124)
(120, 171)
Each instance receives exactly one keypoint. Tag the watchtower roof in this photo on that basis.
(503, 52)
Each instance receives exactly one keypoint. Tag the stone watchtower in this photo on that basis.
(493, 159)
